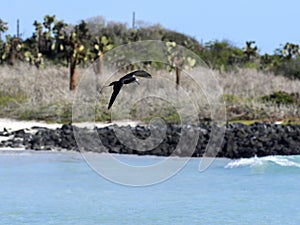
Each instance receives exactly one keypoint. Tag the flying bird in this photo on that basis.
(127, 79)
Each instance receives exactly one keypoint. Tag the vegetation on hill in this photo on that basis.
(56, 42)
(251, 88)
(25, 93)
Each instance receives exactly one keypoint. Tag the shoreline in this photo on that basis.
(240, 141)
(13, 124)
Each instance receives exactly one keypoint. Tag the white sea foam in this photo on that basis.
(285, 161)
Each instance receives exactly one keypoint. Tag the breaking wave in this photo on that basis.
(281, 161)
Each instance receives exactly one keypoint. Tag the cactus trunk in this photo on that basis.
(98, 65)
(98, 70)
(13, 57)
(73, 74)
(178, 75)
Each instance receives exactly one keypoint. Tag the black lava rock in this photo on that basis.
(240, 141)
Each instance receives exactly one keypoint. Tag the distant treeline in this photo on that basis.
(56, 42)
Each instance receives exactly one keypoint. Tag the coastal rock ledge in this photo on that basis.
(240, 141)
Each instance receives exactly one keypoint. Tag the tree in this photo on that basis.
(287, 61)
(59, 29)
(76, 54)
(182, 39)
(290, 51)
(83, 32)
(249, 50)
(48, 23)
(179, 60)
(222, 55)
(101, 45)
(12, 50)
(269, 62)
(71, 49)
(48, 36)
(38, 35)
(3, 28)
(134, 35)
(60, 39)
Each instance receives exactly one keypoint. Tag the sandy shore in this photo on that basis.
(13, 125)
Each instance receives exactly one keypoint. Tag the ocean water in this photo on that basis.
(61, 188)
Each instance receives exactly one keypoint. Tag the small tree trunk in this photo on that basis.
(73, 74)
(40, 42)
(178, 75)
(100, 62)
(98, 65)
(13, 57)
(98, 70)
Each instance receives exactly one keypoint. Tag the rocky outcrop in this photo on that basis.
(240, 141)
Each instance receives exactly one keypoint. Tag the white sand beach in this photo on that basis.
(12, 125)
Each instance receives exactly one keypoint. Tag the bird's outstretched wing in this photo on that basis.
(141, 73)
(138, 73)
(127, 79)
(117, 88)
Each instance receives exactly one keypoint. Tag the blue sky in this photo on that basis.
(269, 22)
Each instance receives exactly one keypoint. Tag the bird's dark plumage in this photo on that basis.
(117, 87)
(127, 79)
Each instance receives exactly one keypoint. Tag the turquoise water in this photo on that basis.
(60, 188)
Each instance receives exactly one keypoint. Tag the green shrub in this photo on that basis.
(280, 97)
(290, 69)
(11, 103)
(228, 98)
(222, 55)
(232, 99)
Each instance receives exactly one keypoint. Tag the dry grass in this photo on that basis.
(248, 85)
(33, 93)
(29, 93)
